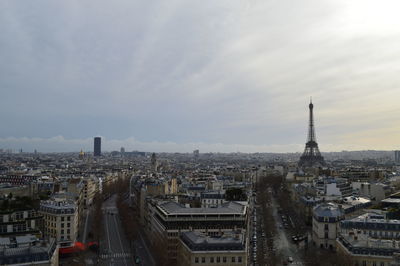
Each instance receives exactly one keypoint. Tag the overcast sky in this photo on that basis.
(177, 75)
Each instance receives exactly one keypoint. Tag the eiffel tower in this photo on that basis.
(311, 155)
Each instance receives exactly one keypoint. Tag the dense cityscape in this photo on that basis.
(199, 133)
(142, 208)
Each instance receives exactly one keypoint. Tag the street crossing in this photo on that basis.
(115, 255)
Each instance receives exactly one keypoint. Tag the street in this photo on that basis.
(115, 248)
(282, 241)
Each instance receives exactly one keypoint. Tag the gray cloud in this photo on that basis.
(229, 72)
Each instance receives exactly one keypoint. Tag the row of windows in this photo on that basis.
(54, 224)
(3, 229)
(213, 200)
(68, 225)
(15, 228)
(68, 218)
(176, 234)
(68, 231)
(19, 215)
(217, 259)
(374, 263)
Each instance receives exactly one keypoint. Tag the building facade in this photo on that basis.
(361, 250)
(373, 225)
(170, 219)
(97, 146)
(21, 222)
(397, 157)
(28, 250)
(212, 199)
(325, 226)
(60, 220)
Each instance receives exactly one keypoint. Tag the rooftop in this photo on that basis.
(173, 208)
(328, 210)
(363, 244)
(58, 207)
(356, 200)
(25, 249)
(371, 218)
(200, 242)
(391, 200)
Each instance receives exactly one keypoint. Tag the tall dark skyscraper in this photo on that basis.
(311, 155)
(97, 146)
(397, 156)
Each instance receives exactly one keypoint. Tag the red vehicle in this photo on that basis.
(66, 250)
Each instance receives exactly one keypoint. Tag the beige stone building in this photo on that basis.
(362, 250)
(60, 220)
(90, 187)
(325, 224)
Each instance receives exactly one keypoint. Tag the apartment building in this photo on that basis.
(329, 186)
(373, 225)
(60, 220)
(90, 186)
(20, 222)
(361, 250)
(375, 191)
(325, 226)
(212, 199)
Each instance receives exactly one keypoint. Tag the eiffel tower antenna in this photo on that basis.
(311, 155)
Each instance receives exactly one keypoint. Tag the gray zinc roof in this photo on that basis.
(173, 208)
(328, 210)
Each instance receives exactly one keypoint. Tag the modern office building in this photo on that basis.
(199, 249)
(170, 219)
(97, 146)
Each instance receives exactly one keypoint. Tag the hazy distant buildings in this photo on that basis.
(397, 156)
(97, 146)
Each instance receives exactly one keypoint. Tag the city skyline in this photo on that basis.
(220, 77)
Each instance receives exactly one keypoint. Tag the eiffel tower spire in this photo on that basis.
(311, 155)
